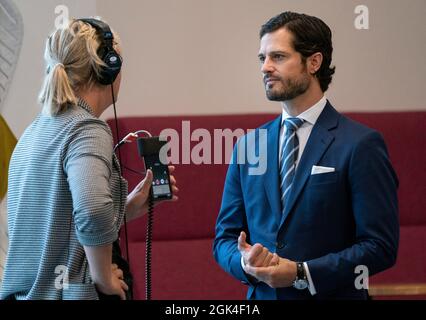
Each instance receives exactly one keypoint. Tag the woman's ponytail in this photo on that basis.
(56, 93)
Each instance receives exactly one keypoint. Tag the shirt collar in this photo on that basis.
(310, 115)
(83, 104)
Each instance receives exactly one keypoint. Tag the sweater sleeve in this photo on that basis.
(88, 167)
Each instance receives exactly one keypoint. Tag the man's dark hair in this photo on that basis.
(310, 35)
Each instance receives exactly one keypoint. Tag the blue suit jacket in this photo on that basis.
(333, 221)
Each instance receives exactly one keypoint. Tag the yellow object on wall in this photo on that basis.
(7, 144)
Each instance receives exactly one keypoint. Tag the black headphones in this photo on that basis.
(106, 53)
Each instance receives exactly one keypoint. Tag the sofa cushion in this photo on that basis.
(183, 270)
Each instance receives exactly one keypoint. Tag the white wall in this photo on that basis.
(200, 56)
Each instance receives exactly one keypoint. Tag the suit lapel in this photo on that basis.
(318, 142)
(271, 177)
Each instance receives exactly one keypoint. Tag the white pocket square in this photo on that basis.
(319, 170)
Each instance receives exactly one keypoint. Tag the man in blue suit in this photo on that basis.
(324, 215)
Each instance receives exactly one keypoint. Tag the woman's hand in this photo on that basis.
(137, 200)
(116, 286)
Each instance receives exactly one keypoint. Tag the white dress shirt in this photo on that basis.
(310, 116)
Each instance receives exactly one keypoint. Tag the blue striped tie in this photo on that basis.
(289, 152)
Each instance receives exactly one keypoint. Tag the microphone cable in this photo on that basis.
(150, 222)
(148, 248)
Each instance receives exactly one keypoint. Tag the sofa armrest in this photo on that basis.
(401, 289)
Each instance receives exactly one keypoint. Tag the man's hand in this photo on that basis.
(266, 266)
(137, 200)
(276, 276)
(256, 255)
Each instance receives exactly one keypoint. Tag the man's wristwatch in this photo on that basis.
(301, 281)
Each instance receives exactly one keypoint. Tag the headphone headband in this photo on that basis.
(101, 27)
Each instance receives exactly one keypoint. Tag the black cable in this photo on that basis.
(148, 248)
(119, 163)
(148, 240)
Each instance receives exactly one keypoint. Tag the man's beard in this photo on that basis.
(290, 89)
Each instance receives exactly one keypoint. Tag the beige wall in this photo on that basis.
(21, 106)
(193, 56)
(200, 56)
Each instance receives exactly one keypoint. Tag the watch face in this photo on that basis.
(300, 284)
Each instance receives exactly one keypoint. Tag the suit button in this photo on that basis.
(280, 245)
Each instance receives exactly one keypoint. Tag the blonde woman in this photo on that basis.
(66, 196)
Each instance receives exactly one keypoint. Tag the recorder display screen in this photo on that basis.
(160, 182)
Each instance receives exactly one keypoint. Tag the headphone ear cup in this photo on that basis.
(110, 72)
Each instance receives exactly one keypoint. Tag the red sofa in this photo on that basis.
(182, 263)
